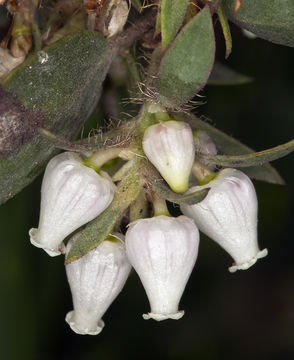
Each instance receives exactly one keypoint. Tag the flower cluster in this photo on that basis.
(162, 249)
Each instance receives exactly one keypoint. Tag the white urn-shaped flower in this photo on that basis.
(95, 281)
(228, 215)
(163, 251)
(170, 148)
(72, 194)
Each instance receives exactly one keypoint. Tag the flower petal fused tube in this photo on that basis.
(163, 251)
(72, 194)
(95, 281)
(170, 148)
(228, 215)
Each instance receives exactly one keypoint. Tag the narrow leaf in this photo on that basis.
(223, 75)
(187, 63)
(230, 146)
(172, 16)
(253, 159)
(226, 30)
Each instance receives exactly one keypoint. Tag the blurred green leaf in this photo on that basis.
(187, 63)
(254, 159)
(172, 16)
(271, 20)
(223, 75)
(230, 146)
(63, 83)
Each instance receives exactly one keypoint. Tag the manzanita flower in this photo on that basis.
(228, 215)
(72, 194)
(95, 281)
(163, 251)
(170, 148)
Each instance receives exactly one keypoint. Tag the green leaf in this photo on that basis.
(62, 84)
(254, 159)
(163, 190)
(172, 16)
(271, 20)
(223, 75)
(226, 30)
(187, 63)
(230, 146)
(98, 229)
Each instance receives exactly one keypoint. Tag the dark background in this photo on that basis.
(247, 315)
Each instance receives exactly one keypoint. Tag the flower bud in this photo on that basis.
(72, 194)
(228, 215)
(95, 281)
(163, 251)
(170, 148)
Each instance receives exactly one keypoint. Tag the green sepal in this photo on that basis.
(187, 63)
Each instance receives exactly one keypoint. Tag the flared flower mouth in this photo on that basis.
(80, 329)
(34, 238)
(159, 317)
(244, 266)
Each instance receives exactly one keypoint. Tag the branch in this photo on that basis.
(135, 31)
